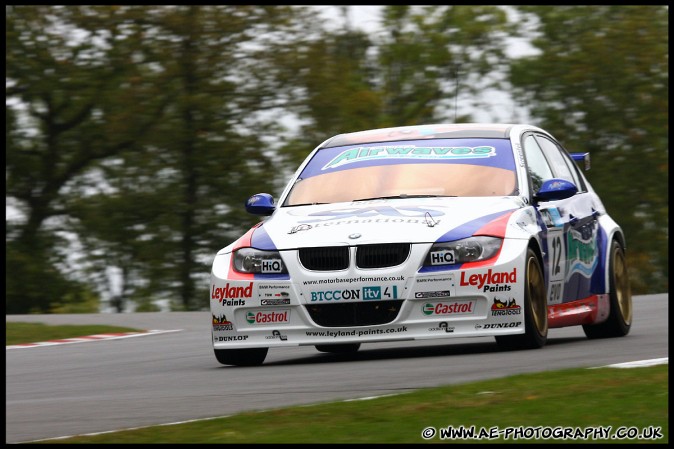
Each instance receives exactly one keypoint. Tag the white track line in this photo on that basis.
(93, 434)
(637, 364)
(641, 363)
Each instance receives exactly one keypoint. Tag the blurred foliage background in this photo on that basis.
(134, 134)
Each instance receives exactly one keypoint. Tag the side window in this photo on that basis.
(557, 160)
(538, 167)
(575, 172)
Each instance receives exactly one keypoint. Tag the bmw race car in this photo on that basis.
(423, 232)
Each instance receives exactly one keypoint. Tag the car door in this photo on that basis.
(571, 228)
(581, 238)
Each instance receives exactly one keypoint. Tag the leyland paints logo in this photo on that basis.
(491, 280)
(230, 295)
(360, 154)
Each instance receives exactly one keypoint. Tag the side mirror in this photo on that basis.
(556, 189)
(260, 204)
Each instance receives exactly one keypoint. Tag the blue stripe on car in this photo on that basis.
(461, 232)
(261, 240)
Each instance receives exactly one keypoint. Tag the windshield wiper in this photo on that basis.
(303, 204)
(403, 196)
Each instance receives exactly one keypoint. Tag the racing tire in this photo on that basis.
(241, 357)
(344, 348)
(535, 309)
(619, 320)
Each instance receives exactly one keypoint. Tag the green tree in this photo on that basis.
(403, 75)
(600, 83)
(220, 64)
(430, 55)
(71, 81)
(160, 135)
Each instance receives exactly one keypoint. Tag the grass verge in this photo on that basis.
(580, 402)
(18, 333)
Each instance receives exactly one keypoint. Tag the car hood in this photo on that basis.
(383, 221)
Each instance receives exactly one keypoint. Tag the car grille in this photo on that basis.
(381, 256)
(334, 258)
(355, 313)
(329, 258)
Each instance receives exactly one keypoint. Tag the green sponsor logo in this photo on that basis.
(408, 152)
(428, 309)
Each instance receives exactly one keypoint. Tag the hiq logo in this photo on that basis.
(444, 257)
(272, 266)
(371, 293)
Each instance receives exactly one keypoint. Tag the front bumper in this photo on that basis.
(366, 306)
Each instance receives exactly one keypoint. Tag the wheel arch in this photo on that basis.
(536, 318)
(620, 237)
(535, 245)
(617, 235)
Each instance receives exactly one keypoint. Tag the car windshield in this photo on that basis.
(432, 167)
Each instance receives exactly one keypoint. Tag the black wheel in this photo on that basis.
(619, 320)
(241, 357)
(343, 348)
(535, 310)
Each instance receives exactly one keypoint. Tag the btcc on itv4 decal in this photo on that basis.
(423, 232)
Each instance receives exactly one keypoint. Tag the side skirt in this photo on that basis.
(591, 310)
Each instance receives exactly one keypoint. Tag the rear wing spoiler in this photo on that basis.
(582, 157)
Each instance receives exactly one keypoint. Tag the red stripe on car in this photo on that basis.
(495, 228)
(242, 242)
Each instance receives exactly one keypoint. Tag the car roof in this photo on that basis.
(417, 132)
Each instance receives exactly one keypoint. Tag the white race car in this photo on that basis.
(423, 232)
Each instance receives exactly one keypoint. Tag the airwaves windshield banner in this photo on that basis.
(460, 151)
